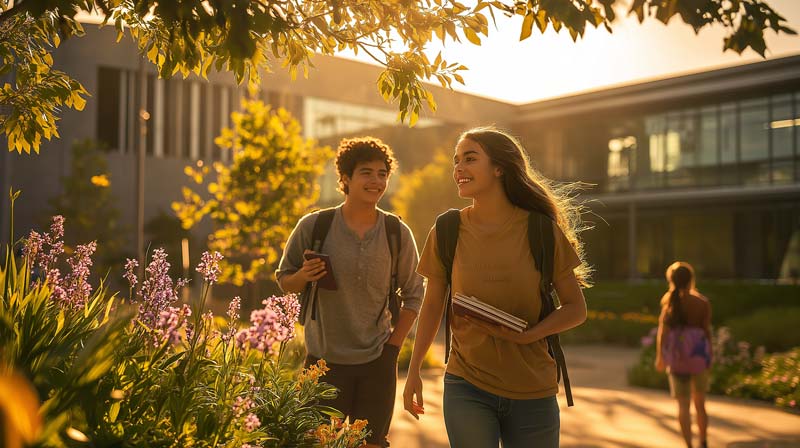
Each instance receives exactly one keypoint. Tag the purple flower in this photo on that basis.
(33, 245)
(233, 308)
(76, 282)
(647, 341)
(43, 250)
(158, 291)
(209, 266)
(169, 324)
(266, 329)
(233, 316)
(57, 292)
(287, 308)
(130, 272)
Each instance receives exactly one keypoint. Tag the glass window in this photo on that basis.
(682, 153)
(620, 151)
(754, 141)
(728, 144)
(753, 127)
(651, 157)
(325, 118)
(709, 136)
(108, 107)
(781, 126)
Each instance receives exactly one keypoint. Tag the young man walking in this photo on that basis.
(357, 322)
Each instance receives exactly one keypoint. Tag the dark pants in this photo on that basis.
(475, 418)
(366, 391)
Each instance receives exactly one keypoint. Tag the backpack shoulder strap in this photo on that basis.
(321, 228)
(447, 225)
(393, 238)
(542, 246)
(308, 300)
(447, 238)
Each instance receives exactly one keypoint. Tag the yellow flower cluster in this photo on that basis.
(313, 373)
(341, 431)
(629, 316)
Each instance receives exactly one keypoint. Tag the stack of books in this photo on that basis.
(464, 305)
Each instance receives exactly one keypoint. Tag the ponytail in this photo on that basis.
(680, 276)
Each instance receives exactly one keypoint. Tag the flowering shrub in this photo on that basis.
(150, 371)
(778, 380)
(737, 370)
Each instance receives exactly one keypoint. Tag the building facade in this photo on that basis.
(703, 167)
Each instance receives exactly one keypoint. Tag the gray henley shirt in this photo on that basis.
(353, 322)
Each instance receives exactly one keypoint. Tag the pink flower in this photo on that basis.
(251, 422)
(209, 266)
(130, 272)
(242, 405)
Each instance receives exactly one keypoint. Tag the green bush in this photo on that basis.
(728, 299)
(617, 331)
(404, 358)
(770, 327)
(622, 313)
(644, 373)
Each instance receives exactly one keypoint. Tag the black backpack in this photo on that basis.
(542, 246)
(308, 299)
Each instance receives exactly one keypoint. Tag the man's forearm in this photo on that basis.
(292, 283)
(404, 324)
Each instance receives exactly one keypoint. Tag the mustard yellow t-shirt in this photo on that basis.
(497, 267)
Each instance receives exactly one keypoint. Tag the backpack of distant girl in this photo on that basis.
(686, 350)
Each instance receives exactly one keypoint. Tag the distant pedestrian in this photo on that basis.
(684, 347)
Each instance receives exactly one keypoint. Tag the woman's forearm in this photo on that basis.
(428, 325)
(568, 315)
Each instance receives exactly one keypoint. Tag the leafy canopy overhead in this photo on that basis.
(243, 36)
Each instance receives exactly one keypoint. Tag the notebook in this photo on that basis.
(464, 305)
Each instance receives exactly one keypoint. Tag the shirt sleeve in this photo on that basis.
(430, 264)
(565, 259)
(411, 283)
(299, 240)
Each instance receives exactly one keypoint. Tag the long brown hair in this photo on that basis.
(528, 189)
(680, 276)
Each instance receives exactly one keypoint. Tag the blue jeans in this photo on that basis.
(478, 419)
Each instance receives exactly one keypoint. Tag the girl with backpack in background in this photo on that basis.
(683, 347)
(500, 385)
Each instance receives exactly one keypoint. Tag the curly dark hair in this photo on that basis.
(353, 151)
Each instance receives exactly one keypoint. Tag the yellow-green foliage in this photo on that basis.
(256, 200)
(425, 193)
(196, 36)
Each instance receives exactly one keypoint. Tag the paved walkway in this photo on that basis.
(608, 413)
